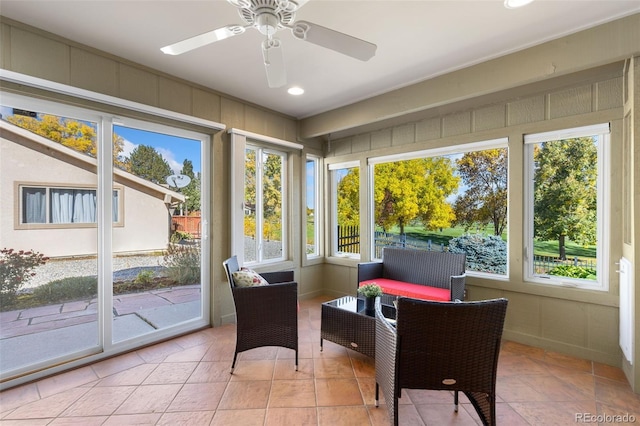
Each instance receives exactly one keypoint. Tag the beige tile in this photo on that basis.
(149, 399)
(552, 413)
(133, 376)
(170, 372)
(340, 392)
(291, 417)
(198, 397)
(292, 393)
(51, 406)
(117, 364)
(133, 419)
(444, 414)
(239, 417)
(245, 394)
(211, 371)
(344, 416)
(159, 352)
(65, 381)
(195, 353)
(99, 401)
(18, 396)
(261, 369)
(82, 421)
(284, 370)
(186, 418)
(325, 368)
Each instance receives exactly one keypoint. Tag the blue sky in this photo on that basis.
(172, 148)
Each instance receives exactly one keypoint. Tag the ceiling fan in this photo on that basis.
(269, 17)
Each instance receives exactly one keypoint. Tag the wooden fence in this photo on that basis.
(190, 224)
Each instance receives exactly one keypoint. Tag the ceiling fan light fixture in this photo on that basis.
(295, 91)
(513, 4)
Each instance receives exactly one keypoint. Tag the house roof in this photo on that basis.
(56, 150)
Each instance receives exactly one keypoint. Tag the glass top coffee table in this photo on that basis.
(345, 322)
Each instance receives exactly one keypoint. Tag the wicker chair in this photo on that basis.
(265, 315)
(440, 346)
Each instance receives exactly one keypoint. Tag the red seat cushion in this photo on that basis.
(416, 291)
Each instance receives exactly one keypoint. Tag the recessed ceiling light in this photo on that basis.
(296, 91)
(512, 4)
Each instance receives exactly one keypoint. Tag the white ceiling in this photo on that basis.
(416, 40)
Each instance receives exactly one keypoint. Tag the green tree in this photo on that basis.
(77, 135)
(414, 189)
(272, 195)
(484, 173)
(348, 202)
(147, 163)
(192, 190)
(565, 196)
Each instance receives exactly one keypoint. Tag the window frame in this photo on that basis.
(20, 224)
(603, 131)
(333, 191)
(318, 212)
(497, 143)
(240, 139)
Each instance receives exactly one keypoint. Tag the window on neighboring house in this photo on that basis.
(452, 199)
(264, 204)
(60, 205)
(345, 201)
(312, 207)
(567, 199)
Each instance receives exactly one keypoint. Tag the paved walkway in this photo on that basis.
(66, 327)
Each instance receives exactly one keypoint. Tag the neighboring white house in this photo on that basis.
(48, 199)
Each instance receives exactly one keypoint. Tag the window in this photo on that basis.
(260, 197)
(61, 205)
(452, 199)
(312, 207)
(566, 215)
(345, 196)
(264, 205)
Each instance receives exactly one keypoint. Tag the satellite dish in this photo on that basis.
(178, 181)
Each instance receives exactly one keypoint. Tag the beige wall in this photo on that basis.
(145, 220)
(576, 80)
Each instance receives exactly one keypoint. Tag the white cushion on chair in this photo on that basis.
(246, 277)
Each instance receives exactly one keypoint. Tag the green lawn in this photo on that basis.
(542, 248)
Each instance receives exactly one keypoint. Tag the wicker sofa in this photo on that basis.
(418, 274)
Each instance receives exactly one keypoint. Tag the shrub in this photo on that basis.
(178, 236)
(64, 289)
(15, 270)
(183, 263)
(144, 277)
(485, 253)
(571, 271)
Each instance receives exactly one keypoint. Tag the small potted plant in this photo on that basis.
(370, 292)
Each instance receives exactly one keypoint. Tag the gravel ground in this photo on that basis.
(125, 267)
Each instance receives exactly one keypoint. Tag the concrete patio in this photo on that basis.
(68, 327)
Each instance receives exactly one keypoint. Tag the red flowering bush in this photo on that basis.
(16, 268)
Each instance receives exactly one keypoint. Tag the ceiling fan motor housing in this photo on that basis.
(267, 16)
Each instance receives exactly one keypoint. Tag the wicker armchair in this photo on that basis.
(440, 346)
(265, 315)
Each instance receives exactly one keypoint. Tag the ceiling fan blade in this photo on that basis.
(203, 39)
(288, 5)
(334, 40)
(274, 62)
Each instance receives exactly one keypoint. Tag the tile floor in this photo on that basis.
(186, 381)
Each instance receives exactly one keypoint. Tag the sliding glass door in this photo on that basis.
(103, 229)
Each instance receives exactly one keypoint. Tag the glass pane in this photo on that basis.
(251, 235)
(156, 240)
(272, 206)
(454, 203)
(48, 268)
(566, 208)
(348, 210)
(311, 226)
